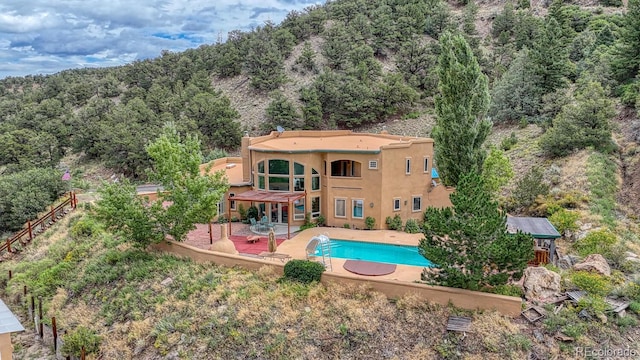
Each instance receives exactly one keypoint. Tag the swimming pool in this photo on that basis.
(384, 253)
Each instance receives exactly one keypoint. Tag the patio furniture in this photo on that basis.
(253, 239)
(266, 224)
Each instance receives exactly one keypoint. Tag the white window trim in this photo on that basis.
(335, 208)
(297, 216)
(374, 163)
(412, 203)
(399, 200)
(407, 166)
(232, 202)
(353, 206)
(425, 161)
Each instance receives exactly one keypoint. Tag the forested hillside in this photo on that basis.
(346, 64)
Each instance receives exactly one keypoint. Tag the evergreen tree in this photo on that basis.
(416, 62)
(265, 64)
(516, 95)
(469, 242)
(496, 170)
(461, 106)
(307, 58)
(281, 112)
(312, 109)
(626, 62)
(550, 57)
(581, 124)
(216, 119)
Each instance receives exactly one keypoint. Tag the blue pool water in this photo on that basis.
(384, 253)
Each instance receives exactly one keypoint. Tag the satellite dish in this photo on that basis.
(280, 129)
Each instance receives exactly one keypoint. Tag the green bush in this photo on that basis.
(592, 283)
(508, 290)
(394, 223)
(412, 226)
(321, 220)
(370, 222)
(564, 220)
(627, 322)
(593, 304)
(252, 213)
(596, 242)
(80, 337)
(508, 142)
(304, 271)
(308, 224)
(635, 307)
(85, 227)
(242, 212)
(346, 226)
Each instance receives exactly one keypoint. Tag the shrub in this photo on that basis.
(370, 222)
(308, 224)
(592, 283)
(85, 227)
(346, 226)
(412, 226)
(321, 220)
(635, 307)
(394, 223)
(627, 322)
(508, 290)
(596, 242)
(252, 213)
(304, 271)
(242, 212)
(80, 337)
(593, 304)
(564, 220)
(529, 187)
(508, 142)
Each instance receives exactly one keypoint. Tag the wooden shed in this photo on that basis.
(544, 235)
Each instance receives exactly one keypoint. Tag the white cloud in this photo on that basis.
(44, 36)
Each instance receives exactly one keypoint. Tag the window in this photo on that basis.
(278, 175)
(298, 209)
(232, 202)
(396, 204)
(315, 207)
(407, 167)
(221, 208)
(315, 180)
(298, 177)
(357, 206)
(261, 175)
(345, 168)
(417, 203)
(341, 208)
(426, 164)
(373, 164)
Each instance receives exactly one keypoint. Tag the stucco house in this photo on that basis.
(341, 175)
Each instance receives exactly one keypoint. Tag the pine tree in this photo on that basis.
(281, 112)
(626, 62)
(551, 57)
(461, 106)
(469, 242)
(516, 95)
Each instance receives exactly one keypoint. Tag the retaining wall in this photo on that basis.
(466, 299)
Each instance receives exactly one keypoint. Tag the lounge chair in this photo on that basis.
(266, 224)
(255, 227)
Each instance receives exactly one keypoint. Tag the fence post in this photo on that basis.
(40, 329)
(24, 290)
(10, 273)
(30, 230)
(9, 250)
(55, 334)
(211, 234)
(33, 308)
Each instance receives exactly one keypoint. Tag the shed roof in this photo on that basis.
(8, 322)
(539, 228)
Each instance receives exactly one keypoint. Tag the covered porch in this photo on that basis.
(268, 197)
(544, 236)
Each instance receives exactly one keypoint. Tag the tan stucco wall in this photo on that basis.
(471, 300)
(6, 348)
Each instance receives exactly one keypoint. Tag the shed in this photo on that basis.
(8, 324)
(544, 233)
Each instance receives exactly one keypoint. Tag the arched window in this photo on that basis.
(346, 168)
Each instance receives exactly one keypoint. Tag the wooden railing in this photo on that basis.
(541, 257)
(33, 228)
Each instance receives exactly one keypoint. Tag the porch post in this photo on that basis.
(289, 217)
(229, 212)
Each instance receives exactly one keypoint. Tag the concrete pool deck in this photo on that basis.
(296, 248)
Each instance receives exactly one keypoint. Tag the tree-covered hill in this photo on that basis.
(346, 64)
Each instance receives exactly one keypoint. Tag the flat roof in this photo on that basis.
(539, 228)
(9, 323)
(231, 166)
(330, 141)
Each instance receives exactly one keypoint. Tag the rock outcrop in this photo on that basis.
(540, 283)
(594, 263)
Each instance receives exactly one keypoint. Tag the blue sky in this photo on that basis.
(47, 36)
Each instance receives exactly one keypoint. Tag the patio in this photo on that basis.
(200, 237)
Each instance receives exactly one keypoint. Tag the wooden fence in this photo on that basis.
(541, 258)
(49, 335)
(35, 227)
